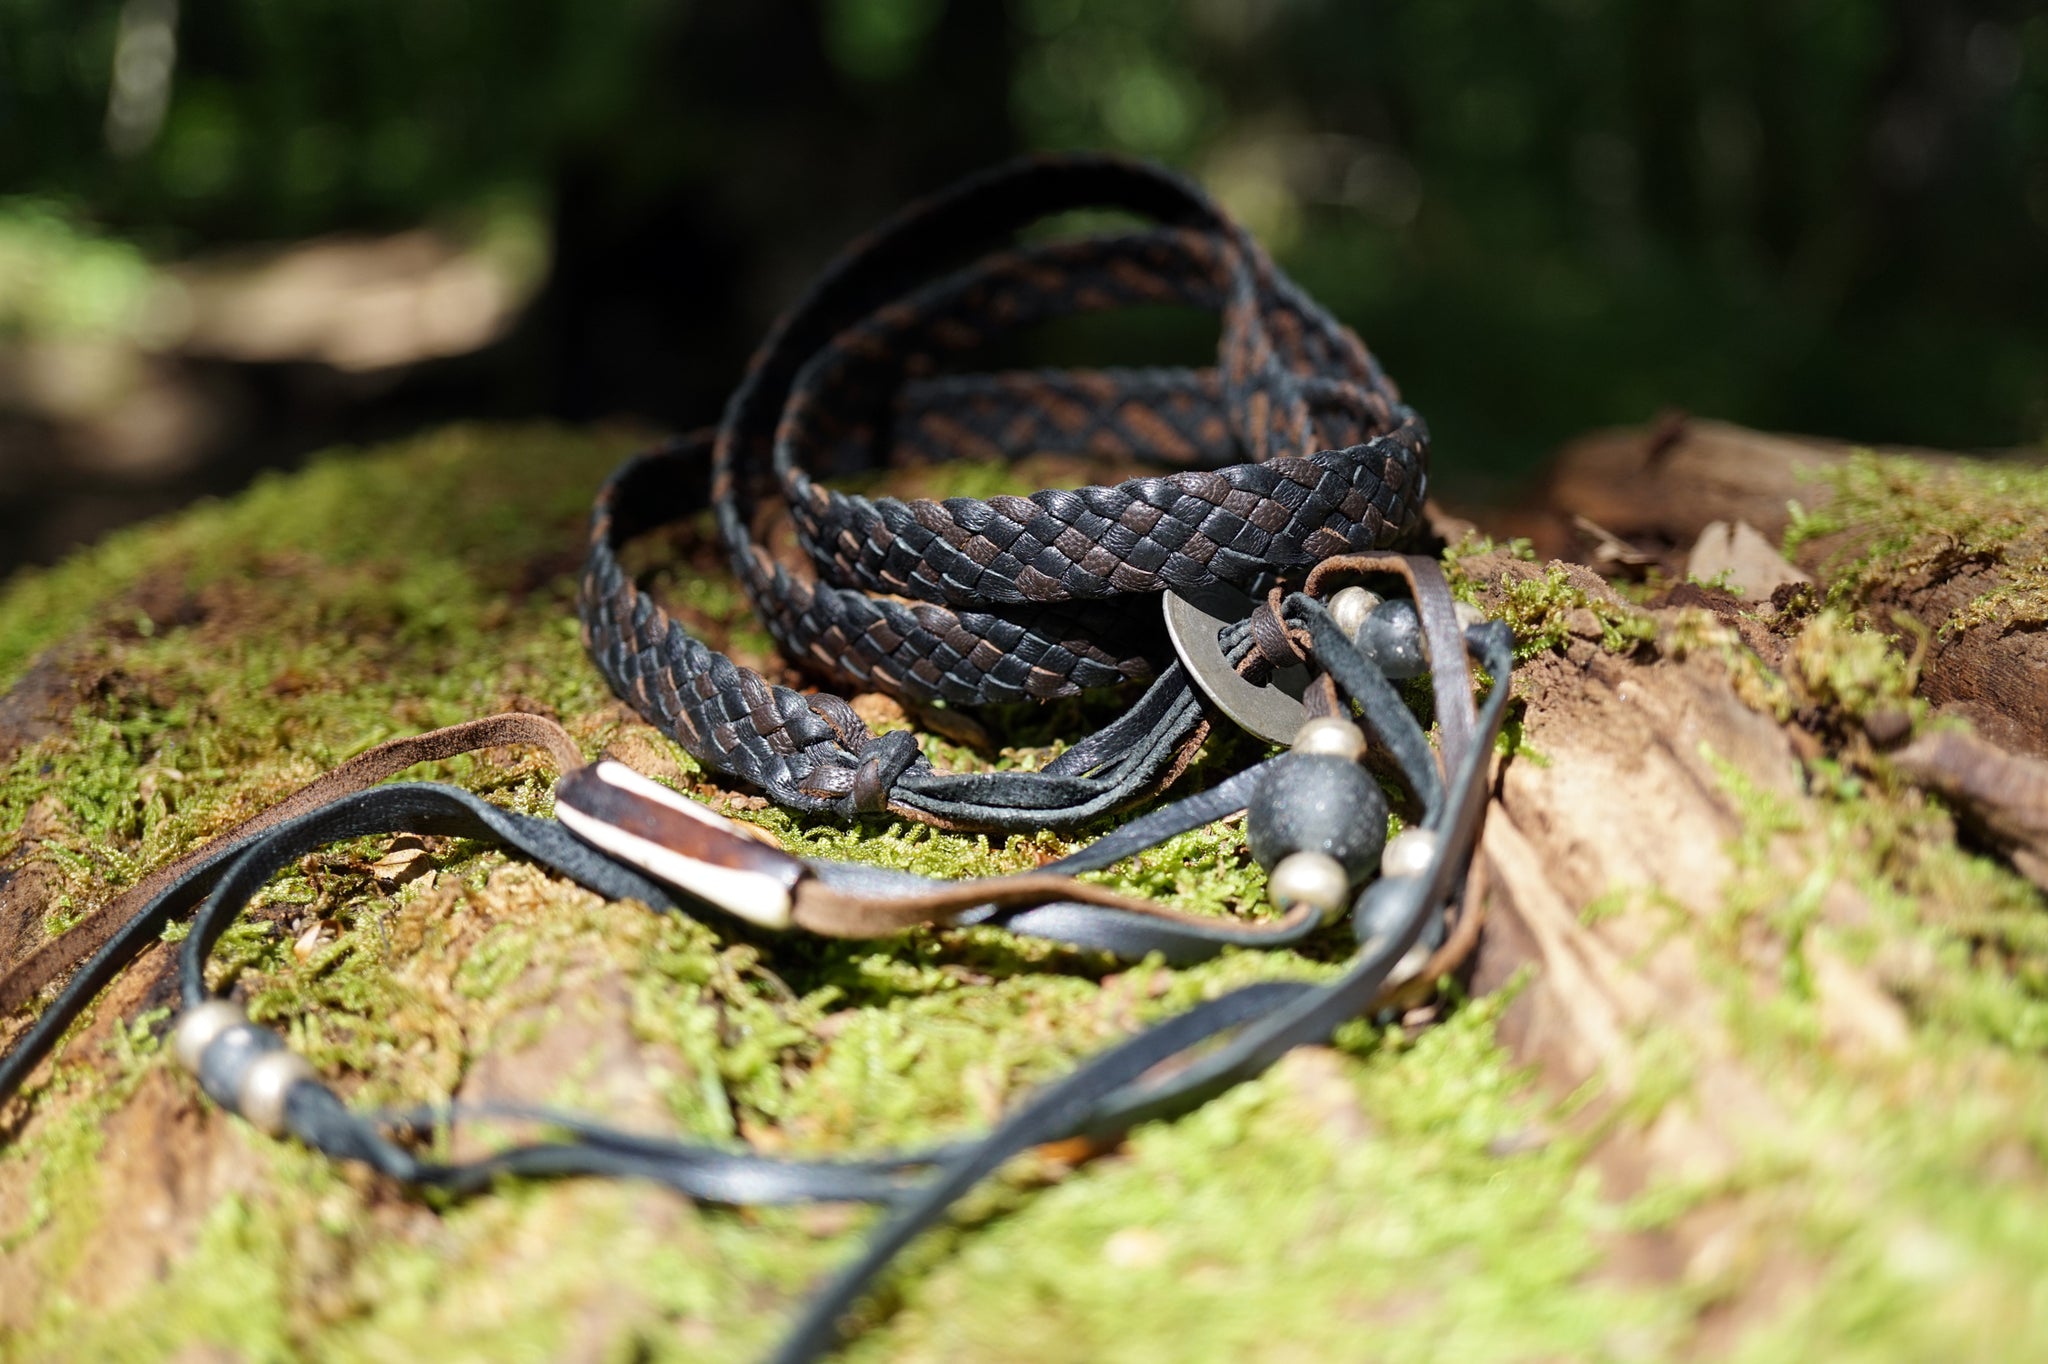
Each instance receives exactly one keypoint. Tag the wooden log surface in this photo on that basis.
(1757, 1066)
(1656, 488)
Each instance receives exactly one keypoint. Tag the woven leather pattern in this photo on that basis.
(806, 752)
(1295, 447)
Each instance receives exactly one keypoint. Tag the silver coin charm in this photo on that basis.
(1273, 712)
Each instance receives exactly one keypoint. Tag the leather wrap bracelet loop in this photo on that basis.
(1295, 466)
(1307, 452)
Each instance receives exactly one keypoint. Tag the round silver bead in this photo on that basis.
(199, 1027)
(265, 1084)
(1468, 615)
(1310, 878)
(1330, 735)
(1410, 966)
(1409, 853)
(1350, 607)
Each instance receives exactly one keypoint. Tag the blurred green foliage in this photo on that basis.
(1545, 215)
(288, 119)
(59, 280)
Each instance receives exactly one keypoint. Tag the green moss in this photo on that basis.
(1476, 546)
(1903, 519)
(1543, 609)
(1854, 672)
(1889, 1183)
(1465, 1254)
(1835, 675)
(57, 1162)
(1691, 630)
(228, 1294)
(1415, 1194)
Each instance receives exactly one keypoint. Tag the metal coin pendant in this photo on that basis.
(1273, 712)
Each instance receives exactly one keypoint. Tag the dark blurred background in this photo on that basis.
(234, 232)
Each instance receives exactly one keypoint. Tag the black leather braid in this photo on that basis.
(1294, 448)
(1182, 530)
(810, 751)
(1173, 416)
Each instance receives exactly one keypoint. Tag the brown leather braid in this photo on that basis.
(971, 601)
(1183, 530)
(1173, 416)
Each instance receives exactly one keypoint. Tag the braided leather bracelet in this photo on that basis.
(962, 601)
(971, 601)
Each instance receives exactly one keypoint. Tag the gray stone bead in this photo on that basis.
(1313, 802)
(1380, 910)
(1392, 638)
(1388, 902)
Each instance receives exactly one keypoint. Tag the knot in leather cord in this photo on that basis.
(884, 758)
(858, 778)
(1275, 645)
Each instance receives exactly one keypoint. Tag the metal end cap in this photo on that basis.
(199, 1027)
(266, 1083)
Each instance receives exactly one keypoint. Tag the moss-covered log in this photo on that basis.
(1754, 1067)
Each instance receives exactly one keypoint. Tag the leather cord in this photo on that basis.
(1107, 1094)
(1293, 450)
(113, 935)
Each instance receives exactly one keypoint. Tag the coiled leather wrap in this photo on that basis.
(1293, 448)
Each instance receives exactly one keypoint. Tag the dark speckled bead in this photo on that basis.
(1312, 802)
(1392, 637)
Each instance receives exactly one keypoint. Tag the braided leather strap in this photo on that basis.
(809, 751)
(1294, 448)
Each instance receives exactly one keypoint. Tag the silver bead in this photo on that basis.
(1409, 853)
(198, 1027)
(1328, 734)
(265, 1084)
(1410, 966)
(1310, 878)
(1468, 615)
(1350, 607)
